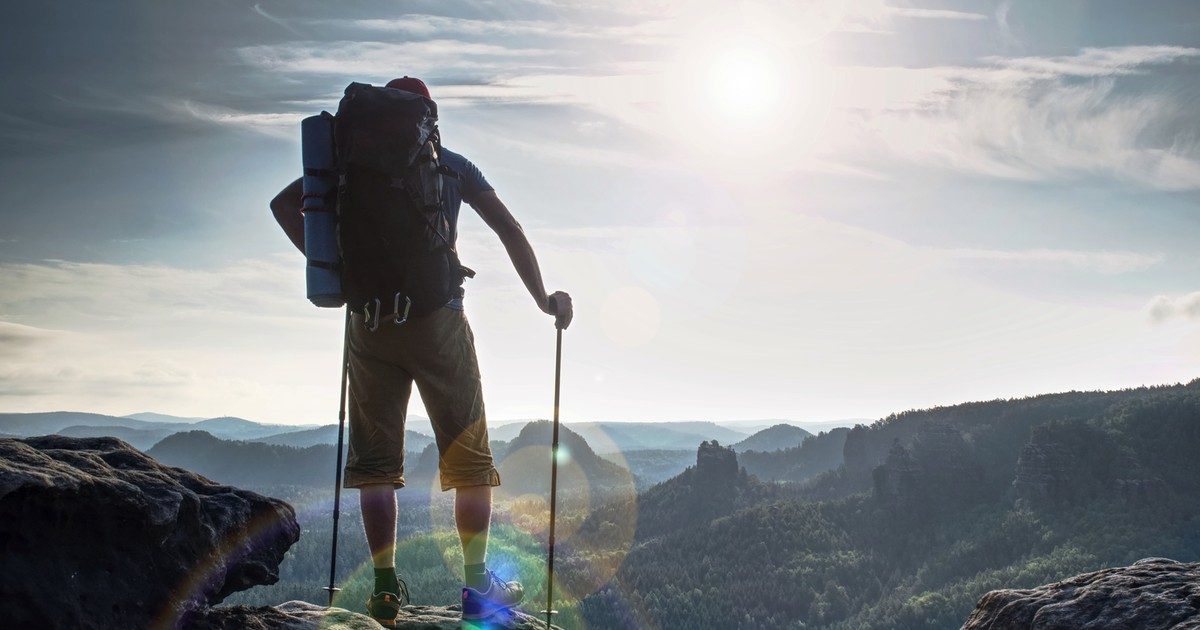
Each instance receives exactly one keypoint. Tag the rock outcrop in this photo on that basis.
(1153, 594)
(1043, 471)
(716, 464)
(95, 534)
(1070, 464)
(935, 473)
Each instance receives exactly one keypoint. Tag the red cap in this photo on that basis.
(410, 84)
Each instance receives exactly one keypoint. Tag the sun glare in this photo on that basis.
(744, 87)
(743, 84)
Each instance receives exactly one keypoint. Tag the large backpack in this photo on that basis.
(396, 241)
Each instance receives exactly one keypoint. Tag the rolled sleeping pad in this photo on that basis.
(323, 274)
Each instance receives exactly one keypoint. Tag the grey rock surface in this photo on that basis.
(95, 534)
(304, 616)
(1152, 594)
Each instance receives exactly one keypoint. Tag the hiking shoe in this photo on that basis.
(500, 595)
(384, 607)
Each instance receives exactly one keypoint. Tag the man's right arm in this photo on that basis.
(286, 207)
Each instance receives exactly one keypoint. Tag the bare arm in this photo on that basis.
(286, 207)
(496, 215)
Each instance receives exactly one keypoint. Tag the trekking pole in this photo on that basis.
(337, 475)
(553, 480)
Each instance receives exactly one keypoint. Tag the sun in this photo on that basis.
(733, 93)
(743, 84)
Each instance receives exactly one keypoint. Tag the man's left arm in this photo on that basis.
(520, 252)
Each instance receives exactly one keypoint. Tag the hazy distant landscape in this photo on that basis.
(653, 451)
(903, 522)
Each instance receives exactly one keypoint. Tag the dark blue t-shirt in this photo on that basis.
(455, 190)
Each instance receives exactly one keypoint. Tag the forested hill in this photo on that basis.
(525, 465)
(931, 510)
(998, 429)
(246, 464)
(260, 465)
(815, 455)
(774, 438)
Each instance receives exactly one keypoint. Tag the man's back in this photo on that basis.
(434, 351)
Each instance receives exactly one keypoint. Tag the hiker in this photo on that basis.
(435, 350)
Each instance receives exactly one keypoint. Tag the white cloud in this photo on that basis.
(276, 124)
(1027, 118)
(1034, 119)
(123, 338)
(1165, 307)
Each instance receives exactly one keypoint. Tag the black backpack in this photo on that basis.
(397, 245)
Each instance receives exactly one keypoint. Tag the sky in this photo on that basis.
(805, 210)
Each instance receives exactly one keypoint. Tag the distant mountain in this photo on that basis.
(776, 438)
(847, 423)
(140, 439)
(250, 464)
(232, 428)
(26, 424)
(653, 466)
(818, 454)
(608, 437)
(259, 465)
(150, 416)
(45, 423)
(812, 426)
(506, 432)
(328, 435)
(525, 468)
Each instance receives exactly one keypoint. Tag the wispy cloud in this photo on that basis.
(438, 26)
(253, 289)
(878, 16)
(934, 14)
(258, 8)
(16, 339)
(110, 336)
(277, 124)
(1043, 118)
(1096, 62)
(367, 58)
(1106, 262)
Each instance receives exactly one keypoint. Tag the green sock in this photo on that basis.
(386, 581)
(476, 575)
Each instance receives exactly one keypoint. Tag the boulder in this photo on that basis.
(95, 534)
(1153, 594)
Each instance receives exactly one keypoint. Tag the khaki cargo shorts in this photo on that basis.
(437, 352)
